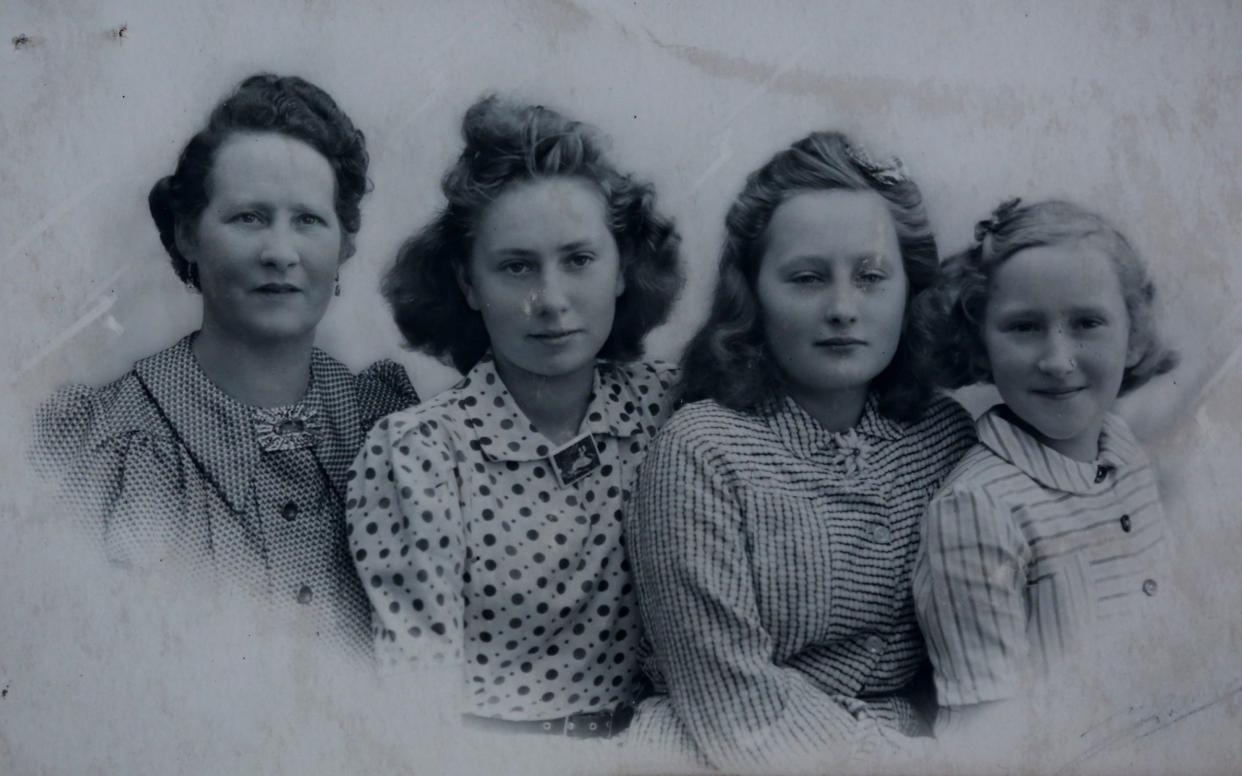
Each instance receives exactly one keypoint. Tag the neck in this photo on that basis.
(263, 374)
(555, 405)
(835, 410)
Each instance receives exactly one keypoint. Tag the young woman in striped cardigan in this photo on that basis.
(777, 517)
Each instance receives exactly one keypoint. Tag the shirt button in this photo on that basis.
(1125, 523)
(1101, 472)
(1150, 586)
(874, 644)
(305, 594)
(290, 511)
(881, 534)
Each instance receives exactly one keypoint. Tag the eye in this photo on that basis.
(805, 278)
(1091, 322)
(581, 259)
(310, 219)
(247, 217)
(516, 267)
(1021, 327)
(870, 277)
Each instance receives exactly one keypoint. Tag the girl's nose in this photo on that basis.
(1058, 355)
(841, 306)
(552, 296)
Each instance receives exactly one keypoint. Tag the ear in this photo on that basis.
(186, 239)
(1135, 350)
(462, 274)
(348, 247)
(621, 265)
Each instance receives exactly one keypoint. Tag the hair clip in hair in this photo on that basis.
(888, 172)
(1001, 214)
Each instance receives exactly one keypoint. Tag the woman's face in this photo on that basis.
(267, 247)
(545, 275)
(832, 289)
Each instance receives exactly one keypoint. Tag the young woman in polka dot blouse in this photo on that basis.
(486, 523)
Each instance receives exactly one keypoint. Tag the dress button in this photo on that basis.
(305, 594)
(1150, 586)
(1101, 472)
(874, 644)
(881, 534)
(1125, 523)
(290, 511)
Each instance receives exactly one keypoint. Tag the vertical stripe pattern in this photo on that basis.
(773, 563)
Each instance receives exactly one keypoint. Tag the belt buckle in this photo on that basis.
(589, 725)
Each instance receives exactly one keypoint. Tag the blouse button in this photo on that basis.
(881, 534)
(1101, 472)
(1125, 523)
(305, 594)
(1150, 586)
(290, 511)
(874, 644)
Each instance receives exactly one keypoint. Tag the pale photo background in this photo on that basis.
(1131, 108)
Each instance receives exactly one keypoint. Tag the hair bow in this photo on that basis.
(993, 224)
(888, 172)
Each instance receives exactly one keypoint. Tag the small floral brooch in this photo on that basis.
(286, 428)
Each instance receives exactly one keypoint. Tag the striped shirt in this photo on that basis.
(773, 562)
(1025, 550)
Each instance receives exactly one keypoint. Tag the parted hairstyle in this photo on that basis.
(285, 105)
(508, 143)
(955, 312)
(728, 359)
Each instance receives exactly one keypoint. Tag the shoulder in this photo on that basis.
(709, 431)
(649, 381)
(80, 421)
(945, 419)
(378, 390)
(982, 483)
(383, 388)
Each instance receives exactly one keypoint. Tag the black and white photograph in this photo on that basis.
(590, 387)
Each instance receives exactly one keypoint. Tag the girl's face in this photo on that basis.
(1056, 333)
(268, 245)
(545, 275)
(833, 292)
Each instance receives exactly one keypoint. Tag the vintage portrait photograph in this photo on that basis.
(593, 387)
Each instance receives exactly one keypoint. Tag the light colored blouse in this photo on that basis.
(473, 551)
(1025, 551)
(773, 562)
(169, 471)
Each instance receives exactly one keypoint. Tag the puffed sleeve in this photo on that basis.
(696, 591)
(383, 388)
(969, 584)
(111, 470)
(407, 540)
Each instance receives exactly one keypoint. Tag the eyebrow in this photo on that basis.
(568, 247)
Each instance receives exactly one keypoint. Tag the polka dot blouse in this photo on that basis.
(472, 550)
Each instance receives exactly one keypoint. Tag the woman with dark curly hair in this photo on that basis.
(228, 451)
(486, 523)
(776, 522)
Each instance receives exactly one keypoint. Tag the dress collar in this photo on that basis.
(503, 431)
(219, 431)
(1118, 450)
(808, 439)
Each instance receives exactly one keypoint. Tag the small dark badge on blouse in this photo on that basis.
(575, 459)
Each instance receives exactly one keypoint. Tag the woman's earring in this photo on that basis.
(337, 292)
(191, 278)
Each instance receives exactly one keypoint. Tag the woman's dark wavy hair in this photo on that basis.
(728, 360)
(285, 105)
(955, 312)
(506, 143)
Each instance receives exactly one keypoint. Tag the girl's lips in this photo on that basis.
(278, 288)
(1058, 393)
(555, 336)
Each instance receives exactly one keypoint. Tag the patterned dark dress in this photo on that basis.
(165, 468)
